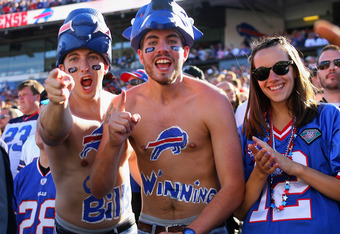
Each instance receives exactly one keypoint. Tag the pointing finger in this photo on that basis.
(122, 100)
(68, 82)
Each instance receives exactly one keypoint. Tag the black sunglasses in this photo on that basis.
(135, 82)
(325, 64)
(280, 68)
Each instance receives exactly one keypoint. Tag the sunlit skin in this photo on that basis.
(28, 102)
(168, 101)
(229, 89)
(330, 77)
(77, 107)
(277, 88)
(87, 80)
(166, 64)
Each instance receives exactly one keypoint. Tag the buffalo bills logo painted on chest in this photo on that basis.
(172, 138)
(91, 142)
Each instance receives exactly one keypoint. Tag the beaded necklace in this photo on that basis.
(288, 154)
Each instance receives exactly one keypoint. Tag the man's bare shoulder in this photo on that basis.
(205, 90)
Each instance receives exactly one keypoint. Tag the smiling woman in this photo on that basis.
(284, 156)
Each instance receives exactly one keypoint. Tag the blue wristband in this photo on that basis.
(188, 231)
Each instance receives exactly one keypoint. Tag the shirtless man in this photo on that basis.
(70, 126)
(182, 129)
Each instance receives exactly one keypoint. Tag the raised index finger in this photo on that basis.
(122, 100)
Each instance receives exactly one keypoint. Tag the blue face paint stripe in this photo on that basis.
(72, 69)
(149, 49)
(175, 48)
(96, 67)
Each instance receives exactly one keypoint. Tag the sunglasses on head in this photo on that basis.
(325, 64)
(135, 82)
(4, 116)
(280, 68)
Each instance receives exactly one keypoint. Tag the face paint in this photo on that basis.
(72, 70)
(96, 67)
(150, 49)
(175, 48)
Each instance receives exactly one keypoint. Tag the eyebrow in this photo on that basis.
(71, 54)
(168, 36)
(78, 54)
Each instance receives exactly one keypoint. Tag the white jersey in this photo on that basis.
(29, 152)
(15, 134)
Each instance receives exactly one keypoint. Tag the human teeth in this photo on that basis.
(276, 87)
(163, 61)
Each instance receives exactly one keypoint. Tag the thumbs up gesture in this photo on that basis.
(120, 123)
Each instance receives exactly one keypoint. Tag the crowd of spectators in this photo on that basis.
(301, 39)
(12, 6)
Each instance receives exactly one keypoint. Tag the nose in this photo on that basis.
(332, 66)
(272, 75)
(84, 65)
(162, 47)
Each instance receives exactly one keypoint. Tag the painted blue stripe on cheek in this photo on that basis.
(149, 49)
(96, 67)
(175, 48)
(72, 69)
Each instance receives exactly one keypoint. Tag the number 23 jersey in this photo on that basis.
(15, 134)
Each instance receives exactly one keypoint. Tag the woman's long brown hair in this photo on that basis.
(300, 103)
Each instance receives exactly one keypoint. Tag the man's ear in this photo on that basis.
(140, 55)
(62, 67)
(37, 97)
(106, 68)
(186, 52)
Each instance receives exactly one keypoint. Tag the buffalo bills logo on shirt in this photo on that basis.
(91, 142)
(172, 138)
(43, 181)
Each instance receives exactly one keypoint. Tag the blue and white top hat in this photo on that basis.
(161, 14)
(84, 28)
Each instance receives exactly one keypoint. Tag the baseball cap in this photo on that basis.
(139, 74)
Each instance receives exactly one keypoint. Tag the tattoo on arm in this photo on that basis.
(108, 114)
